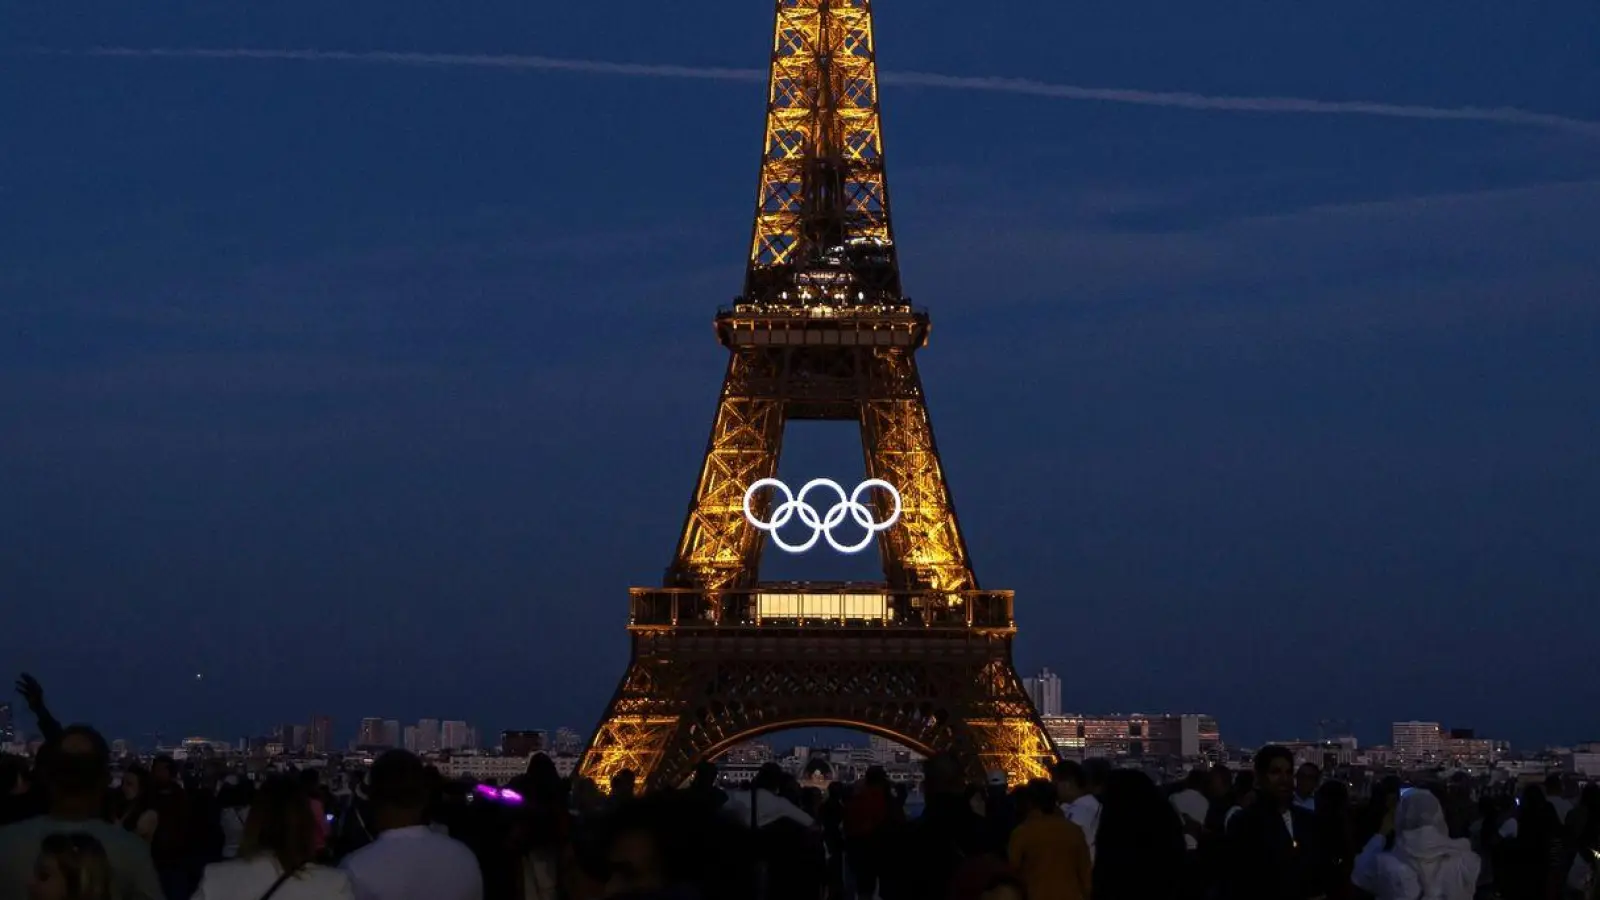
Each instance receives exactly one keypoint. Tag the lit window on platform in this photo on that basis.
(837, 607)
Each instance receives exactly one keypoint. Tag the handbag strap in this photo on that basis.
(289, 873)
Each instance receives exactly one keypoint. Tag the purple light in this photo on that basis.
(510, 796)
(489, 790)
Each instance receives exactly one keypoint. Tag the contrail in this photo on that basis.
(1023, 86)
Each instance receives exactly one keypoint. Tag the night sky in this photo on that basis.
(368, 388)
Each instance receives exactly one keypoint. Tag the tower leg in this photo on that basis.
(926, 549)
(685, 700)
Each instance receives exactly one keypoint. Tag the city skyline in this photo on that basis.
(356, 386)
(378, 732)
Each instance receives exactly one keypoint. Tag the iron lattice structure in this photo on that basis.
(821, 332)
(822, 227)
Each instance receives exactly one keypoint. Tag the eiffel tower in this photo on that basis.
(822, 331)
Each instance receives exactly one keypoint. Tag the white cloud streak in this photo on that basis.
(1018, 86)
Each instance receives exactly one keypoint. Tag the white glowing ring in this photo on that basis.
(821, 524)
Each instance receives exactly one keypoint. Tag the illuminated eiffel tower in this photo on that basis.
(822, 331)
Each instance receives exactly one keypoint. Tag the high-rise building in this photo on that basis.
(370, 734)
(1045, 691)
(321, 734)
(453, 736)
(427, 736)
(524, 743)
(1418, 742)
(391, 732)
(1187, 736)
(409, 739)
(8, 728)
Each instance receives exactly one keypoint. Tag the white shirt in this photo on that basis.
(232, 821)
(249, 879)
(1084, 812)
(414, 863)
(1190, 803)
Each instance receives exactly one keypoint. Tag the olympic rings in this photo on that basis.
(822, 525)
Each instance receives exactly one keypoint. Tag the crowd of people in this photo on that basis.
(1272, 832)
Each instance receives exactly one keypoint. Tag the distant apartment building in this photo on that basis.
(370, 734)
(1418, 742)
(497, 769)
(8, 726)
(1186, 736)
(391, 733)
(882, 751)
(524, 743)
(321, 734)
(1045, 691)
(427, 736)
(408, 739)
(454, 736)
(1464, 748)
(293, 737)
(1586, 759)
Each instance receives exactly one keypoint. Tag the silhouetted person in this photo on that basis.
(1306, 780)
(76, 768)
(543, 827)
(622, 787)
(1049, 853)
(1076, 785)
(1336, 835)
(408, 860)
(669, 845)
(1378, 816)
(169, 845)
(1272, 844)
(704, 785)
(277, 853)
(1139, 850)
(931, 850)
(869, 815)
(1424, 860)
(1532, 851)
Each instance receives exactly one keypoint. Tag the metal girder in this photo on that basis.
(822, 231)
(879, 388)
(675, 708)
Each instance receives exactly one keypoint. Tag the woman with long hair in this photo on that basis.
(135, 811)
(1416, 857)
(1139, 847)
(233, 799)
(71, 867)
(1336, 835)
(277, 853)
(1534, 860)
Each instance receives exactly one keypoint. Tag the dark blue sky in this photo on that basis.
(369, 389)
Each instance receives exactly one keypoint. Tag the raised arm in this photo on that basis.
(33, 694)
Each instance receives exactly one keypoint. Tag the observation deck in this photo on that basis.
(833, 608)
(815, 324)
